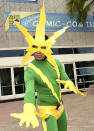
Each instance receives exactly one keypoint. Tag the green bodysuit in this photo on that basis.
(33, 82)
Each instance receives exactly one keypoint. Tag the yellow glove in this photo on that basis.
(70, 85)
(28, 116)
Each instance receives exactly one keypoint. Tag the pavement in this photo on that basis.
(80, 111)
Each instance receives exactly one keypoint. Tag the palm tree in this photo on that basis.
(79, 8)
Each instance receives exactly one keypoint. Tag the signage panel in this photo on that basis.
(54, 21)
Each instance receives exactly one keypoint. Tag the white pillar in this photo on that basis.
(12, 81)
(75, 74)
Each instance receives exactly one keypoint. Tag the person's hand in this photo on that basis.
(28, 118)
(70, 85)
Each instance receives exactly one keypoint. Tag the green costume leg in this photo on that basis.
(51, 124)
(62, 122)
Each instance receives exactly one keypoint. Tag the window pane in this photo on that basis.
(82, 71)
(5, 82)
(11, 53)
(85, 64)
(85, 73)
(91, 83)
(84, 50)
(69, 70)
(62, 51)
(19, 80)
(89, 77)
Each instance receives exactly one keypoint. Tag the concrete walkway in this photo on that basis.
(80, 113)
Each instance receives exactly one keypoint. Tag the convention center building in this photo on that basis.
(75, 48)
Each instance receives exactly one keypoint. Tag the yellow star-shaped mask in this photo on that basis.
(39, 42)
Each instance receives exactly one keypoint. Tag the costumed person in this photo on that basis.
(45, 76)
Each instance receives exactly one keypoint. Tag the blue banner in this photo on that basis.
(29, 1)
(54, 21)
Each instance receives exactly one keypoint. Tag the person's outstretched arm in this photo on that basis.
(28, 115)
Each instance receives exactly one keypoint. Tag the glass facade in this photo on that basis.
(12, 79)
(85, 78)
